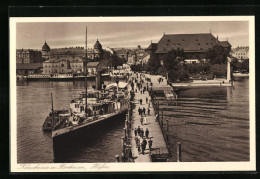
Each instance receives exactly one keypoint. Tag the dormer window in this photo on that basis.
(168, 40)
(198, 43)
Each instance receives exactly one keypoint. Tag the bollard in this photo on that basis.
(162, 118)
(178, 152)
(123, 140)
(167, 125)
(117, 158)
(125, 132)
(126, 123)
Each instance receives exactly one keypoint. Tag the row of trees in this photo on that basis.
(173, 64)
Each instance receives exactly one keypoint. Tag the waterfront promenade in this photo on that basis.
(152, 125)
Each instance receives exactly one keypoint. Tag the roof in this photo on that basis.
(187, 42)
(152, 46)
(45, 47)
(92, 64)
(28, 66)
(225, 44)
(240, 49)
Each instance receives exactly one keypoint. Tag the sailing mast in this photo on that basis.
(86, 56)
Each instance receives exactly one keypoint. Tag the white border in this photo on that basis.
(119, 167)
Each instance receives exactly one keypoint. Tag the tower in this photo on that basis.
(98, 50)
(46, 50)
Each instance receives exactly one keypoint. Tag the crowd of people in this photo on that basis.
(142, 138)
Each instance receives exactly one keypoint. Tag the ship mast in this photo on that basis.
(86, 70)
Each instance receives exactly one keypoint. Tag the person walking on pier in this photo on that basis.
(147, 133)
(140, 142)
(141, 101)
(139, 111)
(138, 130)
(145, 119)
(142, 133)
(150, 143)
(135, 131)
(144, 110)
(141, 120)
(144, 146)
(146, 100)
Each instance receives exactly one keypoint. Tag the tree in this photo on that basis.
(217, 55)
(245, 66)
(153, 64)
(235, 64)
(170, 60)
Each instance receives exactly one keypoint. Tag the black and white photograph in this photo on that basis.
(132, 94)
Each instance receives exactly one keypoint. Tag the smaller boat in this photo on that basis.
(53, 118)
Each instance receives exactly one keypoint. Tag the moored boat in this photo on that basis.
(101, 105)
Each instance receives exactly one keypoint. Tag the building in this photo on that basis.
(76, 65)
(132, 57)
(28, 56)
(195, 46)
(240, 53)
(55, 66)
(140, 53)
(93, 67)
(28, 68)
(67, 52)
(146, 58)
(122, 53)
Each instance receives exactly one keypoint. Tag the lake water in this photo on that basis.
(212, 124)
(34, 104)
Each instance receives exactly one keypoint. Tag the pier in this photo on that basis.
(159, 150)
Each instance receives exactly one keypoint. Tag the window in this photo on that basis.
(62, 65)
(196, 40)
(168, 40)
(207, 43)
(201, 48)
(198, 43)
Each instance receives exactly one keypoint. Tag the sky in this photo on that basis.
(31, 35)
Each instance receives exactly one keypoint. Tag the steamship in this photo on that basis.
(101, 105)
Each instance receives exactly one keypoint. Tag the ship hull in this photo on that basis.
(63, 144)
